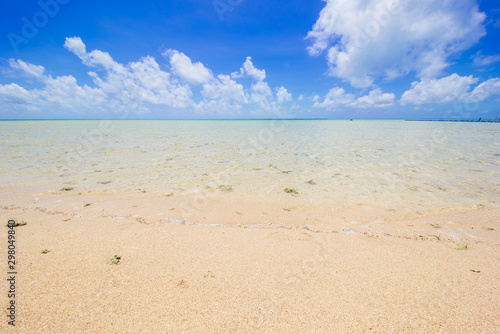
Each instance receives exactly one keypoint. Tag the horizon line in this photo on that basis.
(194, 119)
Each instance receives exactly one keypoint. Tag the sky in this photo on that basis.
(245, 59)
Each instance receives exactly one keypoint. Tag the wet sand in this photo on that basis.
(235, 264)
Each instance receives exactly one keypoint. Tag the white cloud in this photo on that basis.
(334, 98)
(65, 92)
(250, 70)
(75, 45)
(94, 58)
(283, 95)
(375, 99)
(134, 84)
(337, 97)
(486, 89)
(260, 93)
(261, 88)
(370, 39)
(140, 85)
(222, 96)
(450, 89)
(27, 69)
(195, 73)
(225, 90)
(13, 93)
(225, 96)
(61, 92)
(479, 60)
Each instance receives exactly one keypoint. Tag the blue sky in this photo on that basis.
(249, 59)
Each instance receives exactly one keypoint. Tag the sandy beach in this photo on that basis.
(246, 267)
(230, 166)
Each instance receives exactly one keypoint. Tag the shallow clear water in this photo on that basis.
(392, 163)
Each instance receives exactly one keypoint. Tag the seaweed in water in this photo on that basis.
(225, 188)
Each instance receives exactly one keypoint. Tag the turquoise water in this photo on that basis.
(413, 164)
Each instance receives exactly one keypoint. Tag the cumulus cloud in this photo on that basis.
(225, 90)
(195, 73)
(140, 85)
(222, 95)
(337, 97)
(94, 58)
(334, 98)
(450, 89)
(283, 95)
(248, 69)
(64, 91)
(374, 99)
(486, 89)
(369, 39)
(60, 92)
(136, 83)
(260, 92)
(13, 93)
(76, 45)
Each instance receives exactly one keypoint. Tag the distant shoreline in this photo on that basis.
(455, 120)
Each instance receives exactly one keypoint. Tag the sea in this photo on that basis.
(394, 164)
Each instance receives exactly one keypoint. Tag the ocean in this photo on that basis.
(391, 165)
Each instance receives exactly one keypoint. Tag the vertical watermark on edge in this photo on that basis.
(11, 272)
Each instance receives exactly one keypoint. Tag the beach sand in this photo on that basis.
(236, 264)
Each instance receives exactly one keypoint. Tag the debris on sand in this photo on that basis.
(115, 260)
(16, 224)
